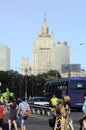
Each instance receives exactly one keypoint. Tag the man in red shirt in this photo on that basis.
(2, 112)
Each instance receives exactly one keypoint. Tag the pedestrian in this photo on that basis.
(84, 113)
(84, 105)
(12, 113)
(60, 116)
(54, 100)
(22, 118)
(18, 101)
(67, 106)
(2, 113)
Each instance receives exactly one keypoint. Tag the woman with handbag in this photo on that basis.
(67, 105)
(60, 115)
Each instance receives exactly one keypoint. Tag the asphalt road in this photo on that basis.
(37, 122)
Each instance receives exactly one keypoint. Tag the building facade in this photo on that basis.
(46, 54)
(42, 56)
(4, 58)
(25, 66)
(61, 55)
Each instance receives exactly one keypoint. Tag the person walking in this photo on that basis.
(23, 119)
(84, 115)
(84, 105)
(54, 100)
(60, 116)
(2, 113)
(67, 106)
(13, 113)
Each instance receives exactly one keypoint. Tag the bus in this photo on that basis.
(75, 87)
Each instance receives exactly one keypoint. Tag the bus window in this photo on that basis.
(77, 84)
(64, 91)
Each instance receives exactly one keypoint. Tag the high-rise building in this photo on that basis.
(25, 67)
(4, 58)
(43, 51)
(46, 54)
(61, 55)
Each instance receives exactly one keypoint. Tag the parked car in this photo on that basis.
(38, 101)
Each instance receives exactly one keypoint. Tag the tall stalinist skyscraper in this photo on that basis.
(46, 54)
(43, 51)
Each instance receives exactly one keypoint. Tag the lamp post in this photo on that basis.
(20, 85)
(82, 44)
(69, 74)
(0, 83)
(26, 85)
(13, 82)
(32, 86)
(0, 86)
(56, 75)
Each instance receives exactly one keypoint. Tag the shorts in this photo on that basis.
(23, 120)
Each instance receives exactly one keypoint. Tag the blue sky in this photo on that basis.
(20, 20)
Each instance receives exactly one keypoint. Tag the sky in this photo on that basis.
(20, 20)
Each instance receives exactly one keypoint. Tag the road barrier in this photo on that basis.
(41, 110)
(37, 109)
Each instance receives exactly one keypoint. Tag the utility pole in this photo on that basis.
(26, 84)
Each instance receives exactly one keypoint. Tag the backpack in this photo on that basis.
(26, 112)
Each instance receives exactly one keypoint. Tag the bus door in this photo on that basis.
(63, 90)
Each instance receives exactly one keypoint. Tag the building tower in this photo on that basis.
(4, 58)
(25, 66)
(61, 55)
(42, 55)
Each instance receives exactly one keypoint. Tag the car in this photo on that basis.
(38, 101)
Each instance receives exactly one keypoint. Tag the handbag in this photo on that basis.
(26, 112)
(51, 122)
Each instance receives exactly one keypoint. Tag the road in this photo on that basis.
(37, 122)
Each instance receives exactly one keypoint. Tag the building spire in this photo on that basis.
(44, 27)
(45, 17)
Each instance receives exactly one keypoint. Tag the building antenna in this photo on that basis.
(44, 17)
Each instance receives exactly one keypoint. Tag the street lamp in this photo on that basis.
(32, 86)
(20, 85)
(26, 85)
(0, 83)
(0, 86)
(82, 44)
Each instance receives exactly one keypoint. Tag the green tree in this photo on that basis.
(54, 74)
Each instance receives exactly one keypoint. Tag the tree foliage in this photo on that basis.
(17, 82)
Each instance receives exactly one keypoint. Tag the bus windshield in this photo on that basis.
(77, 84)
(54, 87)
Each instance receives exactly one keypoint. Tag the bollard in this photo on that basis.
(38, 112)
(48, 113)
(33, 111)
(43, 112)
